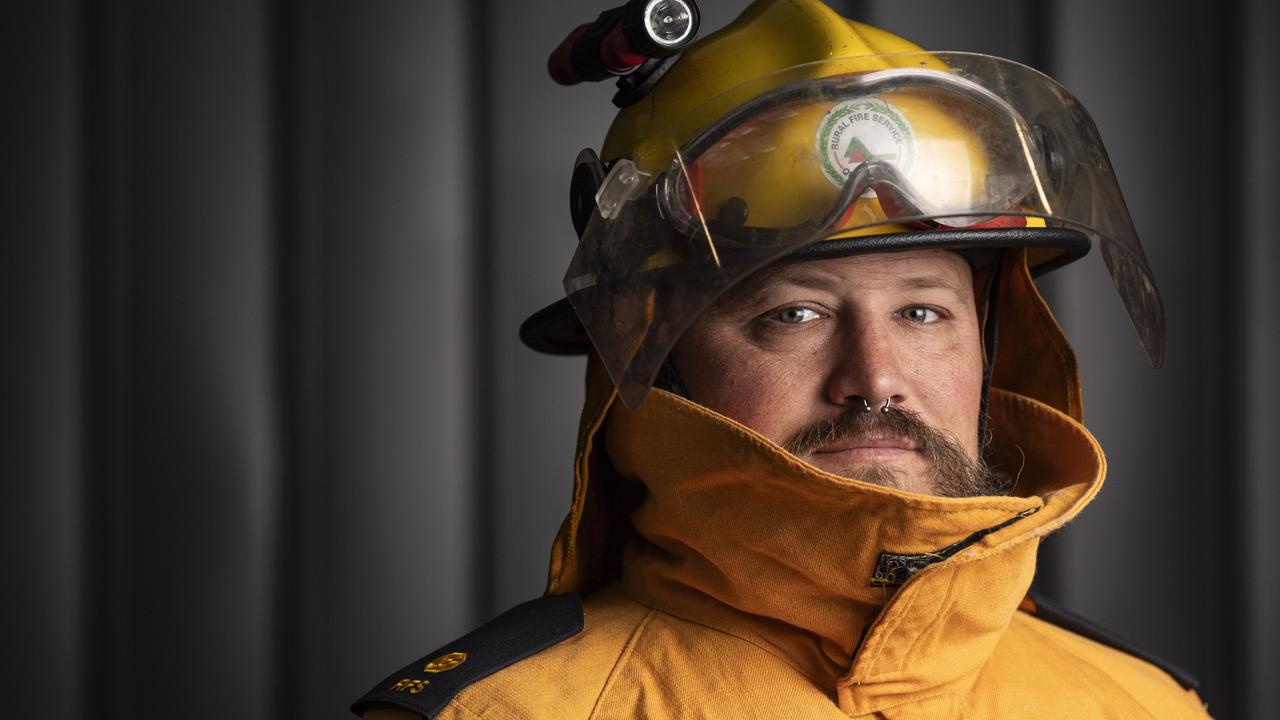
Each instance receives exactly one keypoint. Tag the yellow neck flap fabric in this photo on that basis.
(737, 534)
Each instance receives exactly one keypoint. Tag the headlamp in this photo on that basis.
(669, 23)
(622, 39)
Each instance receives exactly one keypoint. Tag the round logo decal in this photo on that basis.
(858, 131)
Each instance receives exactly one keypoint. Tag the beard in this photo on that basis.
(952, 472)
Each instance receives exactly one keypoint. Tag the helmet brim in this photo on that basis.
(555, 329)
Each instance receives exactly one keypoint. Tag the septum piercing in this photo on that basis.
(866, 406)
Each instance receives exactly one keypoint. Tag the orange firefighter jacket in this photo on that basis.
(724, 578)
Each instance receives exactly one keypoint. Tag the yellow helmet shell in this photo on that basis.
(770, 35)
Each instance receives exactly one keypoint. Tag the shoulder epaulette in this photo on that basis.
(1051, 612)
(429, 684)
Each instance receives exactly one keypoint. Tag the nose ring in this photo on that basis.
(885, 409)
(866, 406)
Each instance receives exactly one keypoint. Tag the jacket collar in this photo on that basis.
(736, 534)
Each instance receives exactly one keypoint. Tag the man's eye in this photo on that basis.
(796, 315)
(918, 314)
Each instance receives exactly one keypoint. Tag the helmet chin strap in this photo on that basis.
(990, 333)
(669, 380)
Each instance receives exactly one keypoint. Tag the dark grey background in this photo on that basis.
(268, 432)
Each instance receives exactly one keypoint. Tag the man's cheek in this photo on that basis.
(957, 401)
(773, 397)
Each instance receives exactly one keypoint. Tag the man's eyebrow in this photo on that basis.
(756, 286)
(931, 282)
(803, 277)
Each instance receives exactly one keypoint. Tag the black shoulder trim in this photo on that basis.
(1051, 612)
(429, 684)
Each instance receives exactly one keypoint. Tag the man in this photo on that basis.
(828, 416)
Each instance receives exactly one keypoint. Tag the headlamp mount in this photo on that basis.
(636, 43)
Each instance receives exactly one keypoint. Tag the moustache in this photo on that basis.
(955, 474)
(855, 424)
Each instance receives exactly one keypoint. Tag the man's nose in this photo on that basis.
(866, 366)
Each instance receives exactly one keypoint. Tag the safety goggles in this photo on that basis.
(844, 149)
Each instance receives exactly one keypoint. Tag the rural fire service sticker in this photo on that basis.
(855, 131)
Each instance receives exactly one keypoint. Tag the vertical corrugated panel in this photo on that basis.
(104, 274)
(537, 128)
(296, 343)
(1149, 558)
(383, 473)
(482, 124)
(181, 415)
(1258, 388)
(41, 393)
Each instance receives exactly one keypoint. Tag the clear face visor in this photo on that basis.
(980, 143)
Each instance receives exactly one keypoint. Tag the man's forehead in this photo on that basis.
(910, 270)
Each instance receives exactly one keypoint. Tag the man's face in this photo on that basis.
(792, 352)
